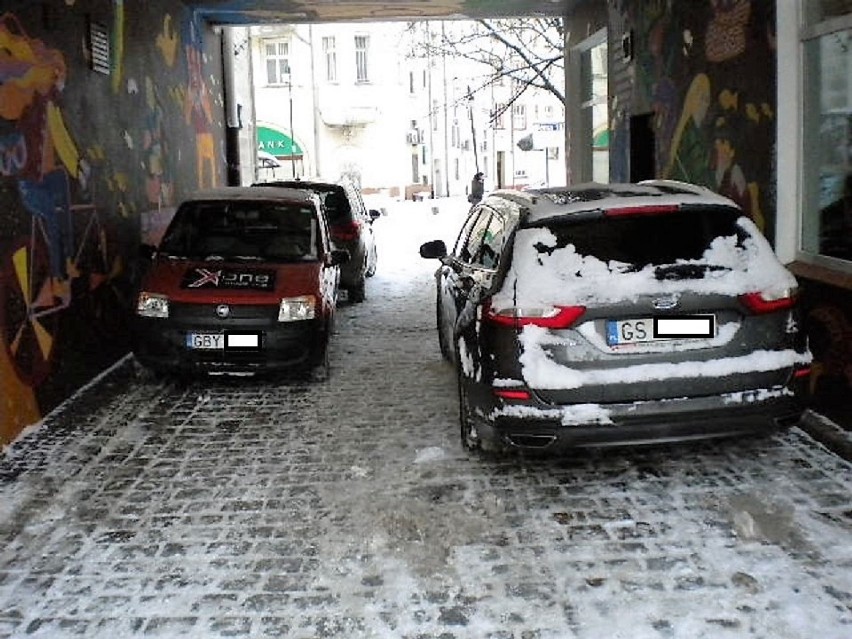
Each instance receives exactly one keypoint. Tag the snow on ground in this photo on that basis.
(347, 509)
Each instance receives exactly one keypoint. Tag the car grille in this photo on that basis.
(206, 313)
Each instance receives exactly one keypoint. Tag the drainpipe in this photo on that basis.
(232, 119)
(315, 98)
(446, 115)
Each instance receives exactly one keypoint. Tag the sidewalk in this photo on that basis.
(829, 421)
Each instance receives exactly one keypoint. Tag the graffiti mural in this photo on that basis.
(42, 265)
(707, 69)
(87, 159)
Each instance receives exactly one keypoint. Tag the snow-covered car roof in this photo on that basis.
(544, 203)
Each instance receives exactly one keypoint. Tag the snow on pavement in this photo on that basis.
(245, 508)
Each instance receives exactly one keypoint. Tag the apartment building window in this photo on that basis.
(362, 48)
(277, 57)
(519, 117)
(827, 208)
(500, 115)
(329, 49)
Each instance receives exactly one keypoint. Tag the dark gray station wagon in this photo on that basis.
(620, 313)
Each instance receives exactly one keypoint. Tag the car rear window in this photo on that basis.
(333, 197)
(595, 260)
(638, 240)
(244, 230)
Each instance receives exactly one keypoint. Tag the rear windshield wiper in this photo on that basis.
(686, 271)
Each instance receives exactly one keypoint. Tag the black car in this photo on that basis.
(620, 313)
(351, 227)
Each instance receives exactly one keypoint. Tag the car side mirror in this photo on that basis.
(147, 252)
(436, 249)
(374, 215)
(338, 257)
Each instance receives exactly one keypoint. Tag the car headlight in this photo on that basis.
(152, 305)
(293, 309)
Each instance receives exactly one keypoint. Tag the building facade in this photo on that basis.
(329, 101)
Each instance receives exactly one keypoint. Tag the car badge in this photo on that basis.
(665, 303)
(223, 310)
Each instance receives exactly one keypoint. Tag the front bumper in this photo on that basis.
(161, 345)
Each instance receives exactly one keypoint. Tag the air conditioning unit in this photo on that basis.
(413, 136)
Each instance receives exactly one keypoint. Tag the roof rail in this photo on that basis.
(677, 185)
(519, 197)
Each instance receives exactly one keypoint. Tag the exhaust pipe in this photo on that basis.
(531, 441)
(787, 421)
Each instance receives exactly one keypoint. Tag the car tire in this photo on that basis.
(357, 293)
(318, 370)
(469, 440)
(446, 353)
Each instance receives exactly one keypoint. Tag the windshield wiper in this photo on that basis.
(686, 271)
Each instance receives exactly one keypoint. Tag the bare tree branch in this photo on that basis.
(526, 51)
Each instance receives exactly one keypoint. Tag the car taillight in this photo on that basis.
(762, 302)
(656, 209)
(346, 232)
(507, 393)
(546, 317)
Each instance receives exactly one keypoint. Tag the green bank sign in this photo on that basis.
(277, 143)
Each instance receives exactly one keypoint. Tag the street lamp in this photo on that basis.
(289, 78)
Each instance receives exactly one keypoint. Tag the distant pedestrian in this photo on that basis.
(477, 188)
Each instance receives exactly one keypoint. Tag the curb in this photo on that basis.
(829, 434)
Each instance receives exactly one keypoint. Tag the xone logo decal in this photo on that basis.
(205, 277)
(263, 280)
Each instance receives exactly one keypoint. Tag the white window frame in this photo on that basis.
(519, 117)
(790, 179)
(500, 115)
(280, 57)
(362, 59)
(329, 49)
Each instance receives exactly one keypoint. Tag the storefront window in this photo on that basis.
(819, 10)
(827, 211)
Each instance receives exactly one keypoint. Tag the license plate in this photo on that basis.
(205, 341)
(242, 341)
(653, 329)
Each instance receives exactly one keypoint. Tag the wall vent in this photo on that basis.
(99, 47)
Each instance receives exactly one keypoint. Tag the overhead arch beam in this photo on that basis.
(243, 12)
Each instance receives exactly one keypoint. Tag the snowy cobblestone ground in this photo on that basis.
(348, 509)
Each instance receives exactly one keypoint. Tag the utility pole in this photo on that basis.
(472, 127)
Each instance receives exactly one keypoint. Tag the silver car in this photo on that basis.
(619, 313)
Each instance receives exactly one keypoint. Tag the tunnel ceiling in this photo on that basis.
(291, 11)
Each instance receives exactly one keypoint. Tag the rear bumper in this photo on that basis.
(682, 419)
